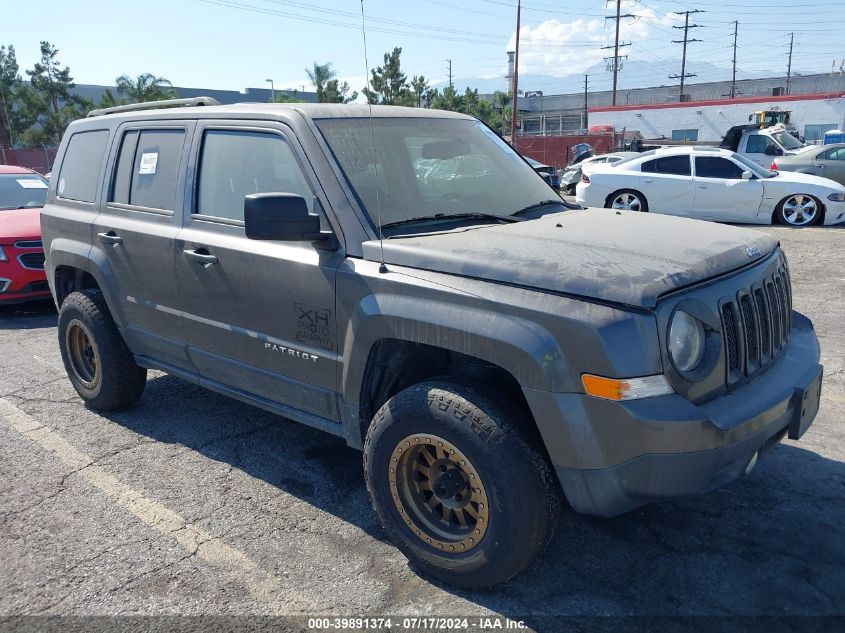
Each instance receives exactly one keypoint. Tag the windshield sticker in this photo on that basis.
(148, 163)
(31, 183)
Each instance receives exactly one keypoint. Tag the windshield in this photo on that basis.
(420, 167)
(22, 191)
(787, 140)
(754, 168)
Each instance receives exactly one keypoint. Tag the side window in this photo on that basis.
(685, 135)
(714, 167)
(234, 164)
(81, 166)
(674, 165)
(757, 144)
(147, 168)
(837, 153)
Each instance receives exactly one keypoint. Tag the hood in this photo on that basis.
(800, 150)
(20, 224)
(804, 179)
(627, 258)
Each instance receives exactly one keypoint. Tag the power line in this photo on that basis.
(687, 26)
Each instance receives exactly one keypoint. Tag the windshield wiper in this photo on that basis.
(537, 205)
(441, 217)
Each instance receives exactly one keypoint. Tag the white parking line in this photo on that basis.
(267, 588)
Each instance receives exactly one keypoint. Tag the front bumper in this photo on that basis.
(18, 283)
(612, 457)
(834, 212)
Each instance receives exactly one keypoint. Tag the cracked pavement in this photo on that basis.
(191, 503)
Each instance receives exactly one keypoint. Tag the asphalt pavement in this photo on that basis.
(190, 503)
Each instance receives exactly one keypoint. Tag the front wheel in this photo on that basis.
(799, 210)
(627, 200)
(458, 484)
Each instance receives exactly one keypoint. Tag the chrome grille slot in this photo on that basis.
(32, 261)
(765, 324)
(29, 244)
(749, 330)
(775, 315)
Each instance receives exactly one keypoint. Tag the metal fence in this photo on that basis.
(39, 158)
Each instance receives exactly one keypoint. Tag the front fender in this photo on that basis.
(523, 348)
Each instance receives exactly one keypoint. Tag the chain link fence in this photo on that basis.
(38, 157)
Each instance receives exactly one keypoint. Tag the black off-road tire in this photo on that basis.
(499, 451)
(98, 363)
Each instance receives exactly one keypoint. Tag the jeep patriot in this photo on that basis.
(402, 279)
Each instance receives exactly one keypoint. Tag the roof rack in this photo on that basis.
(167, 103)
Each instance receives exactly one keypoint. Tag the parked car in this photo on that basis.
(492, 351)
(712, 184)
(570, 175)
(827, 161)
(22, 194)
(548, 173)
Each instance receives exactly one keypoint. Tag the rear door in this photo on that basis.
(722, 194)
(136, 230)
(260, 315)
(831, 164)
(666, 182)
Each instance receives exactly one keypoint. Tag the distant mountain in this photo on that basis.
(634, 74)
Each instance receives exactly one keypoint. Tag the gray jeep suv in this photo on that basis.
(492, 351)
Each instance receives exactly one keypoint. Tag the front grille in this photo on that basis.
(29, 244)
(756, 324)
(32, 261)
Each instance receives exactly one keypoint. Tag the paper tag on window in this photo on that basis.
(31, 183)
(148, 163)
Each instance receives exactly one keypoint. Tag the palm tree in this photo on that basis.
(503, 102)
(146, 87)
(321, 75)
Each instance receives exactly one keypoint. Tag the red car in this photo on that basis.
(22, 194)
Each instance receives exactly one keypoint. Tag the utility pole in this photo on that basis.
(733, 79)
(789, 65)
(615, 65)
(584, 127)
(687, 26)
(450, 72)
(515, 75)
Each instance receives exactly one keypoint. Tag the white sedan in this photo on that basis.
(711, 184)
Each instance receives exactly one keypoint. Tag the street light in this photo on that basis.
(272, 91)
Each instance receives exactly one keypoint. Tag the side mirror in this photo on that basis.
(773, 150)
(747, 175)
(280, 216)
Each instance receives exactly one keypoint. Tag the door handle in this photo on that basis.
(110, 238)
(648, 180)
(819, 166)
(204, 258)
(702, 186)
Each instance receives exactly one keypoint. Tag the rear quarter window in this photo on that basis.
(81, 166)
(147, 168)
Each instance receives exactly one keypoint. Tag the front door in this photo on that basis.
(260, 315)
(722, 194)
(831, 164)
(135, 232)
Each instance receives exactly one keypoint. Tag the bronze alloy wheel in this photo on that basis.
(82, 354)
(438, 493)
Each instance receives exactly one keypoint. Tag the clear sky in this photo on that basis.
(233, 44)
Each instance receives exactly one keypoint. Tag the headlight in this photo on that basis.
(837, 197)
(686, 341)
(3, 257)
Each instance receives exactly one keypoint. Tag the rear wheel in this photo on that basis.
(100, 366)
(627, 200)
(458, 484)
(799, 210)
